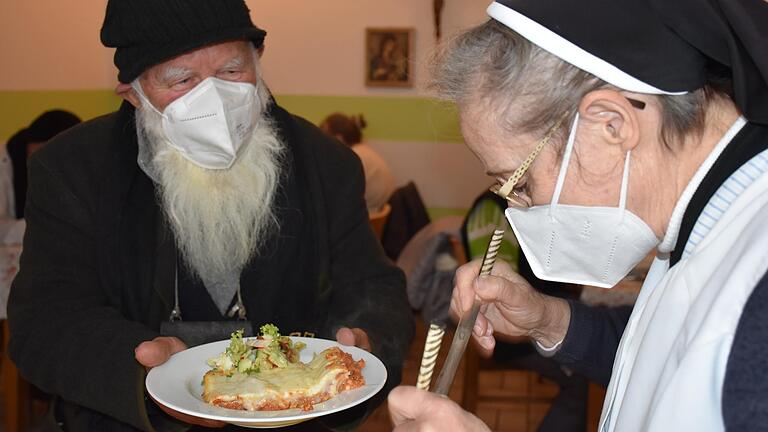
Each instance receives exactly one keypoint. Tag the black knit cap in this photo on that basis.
(149, 32)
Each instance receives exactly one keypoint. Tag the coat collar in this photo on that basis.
(673, 229)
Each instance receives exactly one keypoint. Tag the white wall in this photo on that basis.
(317, 47)
(447, 175)
(53, 45)
(313, 48)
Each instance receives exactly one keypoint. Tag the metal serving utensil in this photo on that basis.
(467, 322)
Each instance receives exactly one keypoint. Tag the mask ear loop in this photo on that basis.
(624, 186)
(136, 86)
(564, 165)
(564, 170)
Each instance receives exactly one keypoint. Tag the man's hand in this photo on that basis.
(156, 352)
(511, 307)
(353, 337)
(412, 409)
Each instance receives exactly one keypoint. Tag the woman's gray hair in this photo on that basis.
(495, 65)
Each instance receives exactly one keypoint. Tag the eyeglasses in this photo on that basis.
(509, 190)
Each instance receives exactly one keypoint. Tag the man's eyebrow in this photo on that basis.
(234, 63)
(172, 73)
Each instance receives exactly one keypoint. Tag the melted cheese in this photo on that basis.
(296, 385)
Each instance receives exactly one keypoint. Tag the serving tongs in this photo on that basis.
(467, 322)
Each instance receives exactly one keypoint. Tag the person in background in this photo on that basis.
(379, 183)
(612, 129)
(7, 200)
(198, 208)
(27, 141)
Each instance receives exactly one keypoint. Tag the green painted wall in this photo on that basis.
(389, 118)
(19, 108)
(436, 213)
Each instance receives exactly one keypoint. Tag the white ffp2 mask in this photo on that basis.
(209, 124)
(583, 245)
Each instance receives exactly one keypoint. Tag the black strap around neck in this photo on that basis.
(751, 140)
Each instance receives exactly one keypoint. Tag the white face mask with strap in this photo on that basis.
(582, 245)
(210, 123)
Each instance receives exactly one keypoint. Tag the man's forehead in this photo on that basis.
(226, 54)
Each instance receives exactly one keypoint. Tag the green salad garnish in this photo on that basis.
(267, 351)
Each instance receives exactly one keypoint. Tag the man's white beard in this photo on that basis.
(220, 218)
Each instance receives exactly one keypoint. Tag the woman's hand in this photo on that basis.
(412, 409)
(511, 307)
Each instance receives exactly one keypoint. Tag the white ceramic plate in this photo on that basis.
(177, 384)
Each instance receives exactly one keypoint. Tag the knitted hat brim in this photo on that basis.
(135, 60)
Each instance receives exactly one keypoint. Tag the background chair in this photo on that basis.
(408, 216)
(379, 219)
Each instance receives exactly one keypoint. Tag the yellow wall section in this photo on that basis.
(400, 127)
(436, 213)
(19, 108)
(389, 118)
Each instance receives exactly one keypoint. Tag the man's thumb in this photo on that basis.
(158, 351)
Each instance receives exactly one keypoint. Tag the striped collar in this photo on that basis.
(734, 186)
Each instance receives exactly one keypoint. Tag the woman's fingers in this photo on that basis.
(483, 335)
(412, 409)
(463, 291)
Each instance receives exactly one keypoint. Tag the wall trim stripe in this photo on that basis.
(19, 108)
(436, 213)
(388, 118)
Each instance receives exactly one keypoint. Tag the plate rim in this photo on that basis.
(150, 382)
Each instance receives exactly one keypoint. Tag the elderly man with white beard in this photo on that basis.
(198, 207)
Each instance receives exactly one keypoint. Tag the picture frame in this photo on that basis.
(387, 57)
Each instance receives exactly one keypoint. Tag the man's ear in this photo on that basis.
(127, 92)
(613, 117)
(260, 50)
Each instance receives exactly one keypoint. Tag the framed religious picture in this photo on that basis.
(387, 51)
